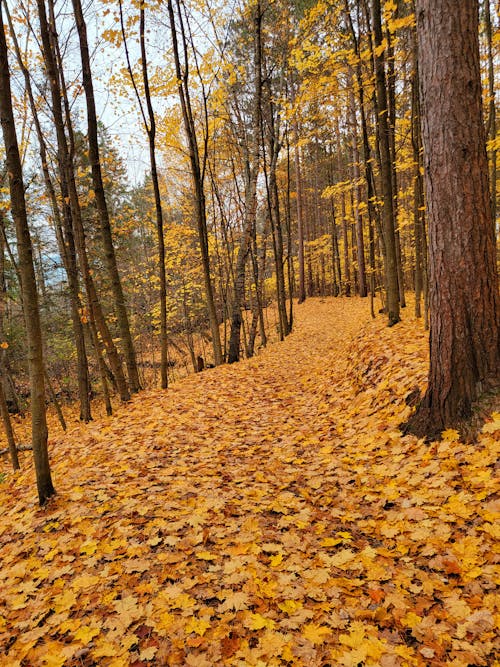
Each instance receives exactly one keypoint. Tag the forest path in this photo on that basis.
(264, 513)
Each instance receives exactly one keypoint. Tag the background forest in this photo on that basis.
(191, 167)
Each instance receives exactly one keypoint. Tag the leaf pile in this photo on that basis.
(265, 513)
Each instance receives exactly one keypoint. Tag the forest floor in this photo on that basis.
(266, 513)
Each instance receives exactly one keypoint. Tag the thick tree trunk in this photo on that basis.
(463, 281)
(28, 283)
(102, 207)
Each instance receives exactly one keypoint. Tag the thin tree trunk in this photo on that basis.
(197, 174)
(4, 411)
(72, 218)
(252, 173)
(391, 99)
(300, 218)
(55, 401)
(28, 284)
(492, 117)
(66, 247)
(102, 207)
(358, 219)
(150, 127)
(418, 189)
(391, 272)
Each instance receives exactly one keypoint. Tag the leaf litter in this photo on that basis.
(266, 513)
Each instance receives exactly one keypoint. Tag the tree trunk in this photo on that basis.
(357, 189)
(4, 412)
(28, 283)
(72, 219)
(102, 207)
(418, 190)
(66, 247)
(197, 175)
(391, 270)
(252, 173)
(463, 281)
(300, 219)
(391, 99)
(150, 127)
(492, 114)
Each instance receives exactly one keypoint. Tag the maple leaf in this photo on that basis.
(316, 633)
(197, 625)
(257, 622)
(148, 653)
(236, 601)
(450, 435)
(290, 606)
(85, 634)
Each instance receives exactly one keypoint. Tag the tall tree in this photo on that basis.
(197, 160)
(391, 268)
(149, 121)
(251, 176)
(463, 280)
(28, 282)
(66, 245)
(101, 204)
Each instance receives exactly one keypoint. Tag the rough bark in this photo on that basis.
(463, 281)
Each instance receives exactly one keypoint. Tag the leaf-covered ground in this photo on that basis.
(266, 513)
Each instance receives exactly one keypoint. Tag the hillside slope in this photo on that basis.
(265, 513)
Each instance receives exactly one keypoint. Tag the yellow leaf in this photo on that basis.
(494, 425)
(276, 560)
(331, 541)
(356, 636)
(290, 606)
(88, 548)
(86, 634)
(148, 653)
(411, 620)
(257, 622)
(205, 555)
(316, 633)
(197, 625)
(64, 601)
(342, 558)
(450, 435)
